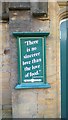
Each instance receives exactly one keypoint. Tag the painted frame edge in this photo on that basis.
(19, 61)
(32, 85)
(30, 34)
(63, 65)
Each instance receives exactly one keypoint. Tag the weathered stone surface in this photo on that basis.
(30, 103)
(33, 103)
(6, 114)
(19, 5)
(6, 92)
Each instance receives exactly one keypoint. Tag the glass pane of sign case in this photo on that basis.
(31, 60)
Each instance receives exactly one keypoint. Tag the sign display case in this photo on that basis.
(31, 60)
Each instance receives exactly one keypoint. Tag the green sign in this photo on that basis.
(31, 60)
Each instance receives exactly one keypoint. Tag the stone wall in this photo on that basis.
(6, 73)
(31, 103)
(0, 71)
(36, 103)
